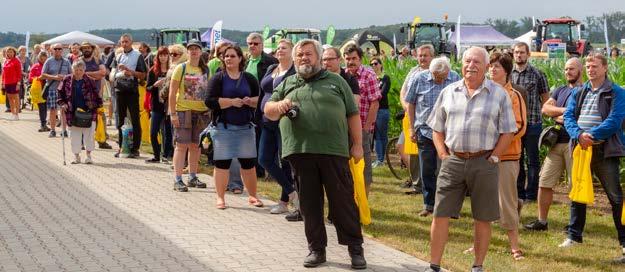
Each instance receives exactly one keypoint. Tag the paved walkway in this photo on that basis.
(122, 215)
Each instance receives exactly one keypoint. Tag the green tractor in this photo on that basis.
(166, 37)
(294, 34)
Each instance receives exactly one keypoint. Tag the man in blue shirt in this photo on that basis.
(594, 118)
(421, 97)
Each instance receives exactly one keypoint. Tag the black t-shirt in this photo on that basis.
(351, 81)
(385, 86)
(562, 95)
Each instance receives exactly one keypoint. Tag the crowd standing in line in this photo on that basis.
(263, 113)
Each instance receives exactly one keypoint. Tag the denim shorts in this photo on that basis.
(233, 141)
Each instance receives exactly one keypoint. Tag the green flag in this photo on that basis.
(330, 35)
(266, 32)
(179, 38)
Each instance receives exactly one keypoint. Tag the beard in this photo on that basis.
(520, 62)
(573, 80)
(307, 70)
(87, 54)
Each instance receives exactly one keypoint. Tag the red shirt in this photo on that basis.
(35, 71)
(11, 71)
(369, 92)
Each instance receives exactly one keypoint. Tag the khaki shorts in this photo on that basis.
(508, 196)
(558, 159)
(191, 125)
(477, 176)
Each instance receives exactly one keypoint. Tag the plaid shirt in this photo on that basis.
(472, 124)
(535, 82)
(65, 97)
(423, 93)
(369, 92)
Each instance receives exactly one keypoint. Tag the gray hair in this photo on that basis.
(78, 64)
(316, 45)
(479, 49)
(440, 64)
(429, 47)
(126, 35)
(254, 36)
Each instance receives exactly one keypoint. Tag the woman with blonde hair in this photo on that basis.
(11, 78)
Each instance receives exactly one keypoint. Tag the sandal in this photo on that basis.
(237, 191)
(517, 255)
(469, 251)
(255, 202)
(220, 205)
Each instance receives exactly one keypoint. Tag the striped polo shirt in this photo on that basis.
(589, 115)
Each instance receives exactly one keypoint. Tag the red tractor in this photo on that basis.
(564, 30)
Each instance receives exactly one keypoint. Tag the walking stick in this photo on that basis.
(63, 131)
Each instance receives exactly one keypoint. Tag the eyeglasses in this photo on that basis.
(174, 54)
(374, 64)
(253, 43)
(230, 56)
(58, 48)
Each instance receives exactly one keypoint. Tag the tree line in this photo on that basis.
(509, 27)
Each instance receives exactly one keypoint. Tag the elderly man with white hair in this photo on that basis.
(421, 96)
(473, 124)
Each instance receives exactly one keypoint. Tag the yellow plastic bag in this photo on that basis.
(36, 92)
(144, 116)
(623, 215)
(100, 130)
(360, 194)
(581, 189)
(3, 98)
(410, 147)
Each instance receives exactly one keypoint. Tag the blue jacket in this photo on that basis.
(612, 109)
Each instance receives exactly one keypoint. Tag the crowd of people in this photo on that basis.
(301, 113)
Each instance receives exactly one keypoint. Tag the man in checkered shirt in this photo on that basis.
(368, 105)
(535, 82)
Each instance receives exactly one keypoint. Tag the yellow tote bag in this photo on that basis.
(623, 215)
(144, 116)
(581, 189)
(410, 147)
(100, 130)
(360, 194)
(3, 98)
(36, 92)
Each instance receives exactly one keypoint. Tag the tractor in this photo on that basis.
(564, 30)
(167, 37)
(430, 33)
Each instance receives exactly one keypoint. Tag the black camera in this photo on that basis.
(293, 112)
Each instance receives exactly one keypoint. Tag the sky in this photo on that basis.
(60, 16)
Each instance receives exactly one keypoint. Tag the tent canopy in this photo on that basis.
(481, 35)
(370, 39)
(79, 37)
(527, 37)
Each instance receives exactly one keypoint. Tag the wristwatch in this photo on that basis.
(494, 158)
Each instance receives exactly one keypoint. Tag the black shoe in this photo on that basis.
(406, 184)
(195, 182)
(43, 129)
(180, 187)
(7, 110)
(537, 225)
(64, 134)
(315, 258)
(133, 155)
(104, 145)
(357, 254)
(294, 216)
(116, 155)
(413, 191)
(153, 160)
(52, 134)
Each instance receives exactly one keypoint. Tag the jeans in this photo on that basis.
(129, 101)
(160, 122)
(366, 146)
(381, 134)
(269, 158)
(607, 170)
(429, 164)
(235, 181)
(530, 149)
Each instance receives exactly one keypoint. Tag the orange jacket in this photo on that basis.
(513, 152)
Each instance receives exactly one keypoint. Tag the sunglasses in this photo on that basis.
(58, 48)
(230, 56)
(174, 54)
(253, 43)
(374, 64)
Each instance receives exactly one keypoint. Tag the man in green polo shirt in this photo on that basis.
(316, 143)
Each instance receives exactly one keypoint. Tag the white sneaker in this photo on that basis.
(76, 159)
(568, 243)
(88, 160)
(16, 118)
(279, 209)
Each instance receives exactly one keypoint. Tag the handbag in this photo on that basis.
(81, 118)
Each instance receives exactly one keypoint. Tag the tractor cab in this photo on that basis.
(567, 31)
(293, 34)
(166, 37)
(430, 33)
